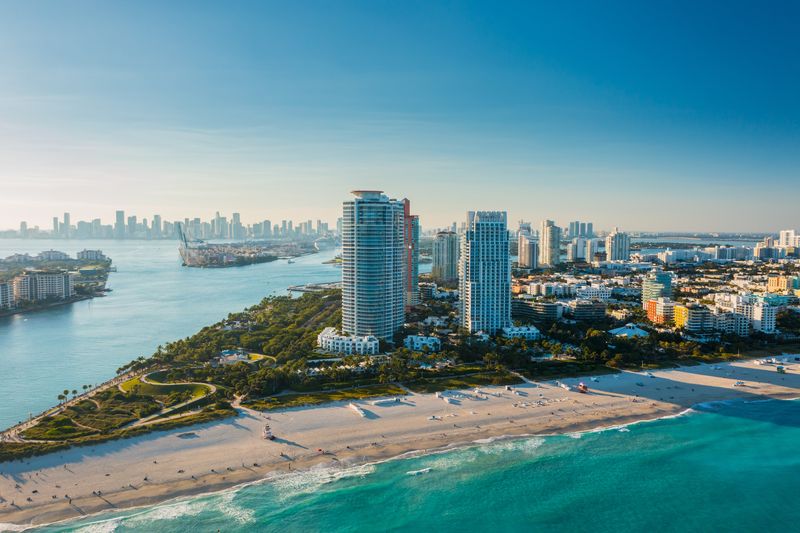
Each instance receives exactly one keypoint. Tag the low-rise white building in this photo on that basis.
(332, 341)
(420, 343)
(53, 255)
(91, 255)
(731, 323)
(530, 333)
(593, 292)
(758, 311)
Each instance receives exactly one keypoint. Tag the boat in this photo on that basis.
(649, 375)
(583, 388)
(267, 433)
(418, 472)
(564, 386)
(290, 261)
(434, 417)
(595, 380)
(739, 384)
(780, 369)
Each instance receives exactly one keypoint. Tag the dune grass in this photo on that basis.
(283, 401)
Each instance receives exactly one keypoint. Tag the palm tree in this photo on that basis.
(61, 398)
(74, 393)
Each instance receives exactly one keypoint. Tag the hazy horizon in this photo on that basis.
(622, 114)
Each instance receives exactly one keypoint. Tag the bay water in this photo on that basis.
(154, 300)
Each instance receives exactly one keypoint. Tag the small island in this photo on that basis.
(51, 278)
(199, 254)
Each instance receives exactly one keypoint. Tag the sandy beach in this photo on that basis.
(205, 458)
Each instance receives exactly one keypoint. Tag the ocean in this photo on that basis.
(725, 466)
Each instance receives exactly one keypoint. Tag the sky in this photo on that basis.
(672, 116)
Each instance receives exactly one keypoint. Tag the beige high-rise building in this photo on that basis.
(549, 244)
(527, 251)
(445, 257)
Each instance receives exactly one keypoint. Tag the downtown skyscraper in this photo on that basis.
(485, 273)
(373, 265)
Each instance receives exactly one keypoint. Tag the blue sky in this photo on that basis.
(649, 116)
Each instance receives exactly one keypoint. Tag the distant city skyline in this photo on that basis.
(305, 225)
(646, 117)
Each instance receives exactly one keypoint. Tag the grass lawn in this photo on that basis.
(315, 398)
(164, 389)
(555, 369)
(428, 385)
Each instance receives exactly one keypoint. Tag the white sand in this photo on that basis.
(231, 447)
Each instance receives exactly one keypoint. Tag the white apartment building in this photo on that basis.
(331, 341)
(36, 286)
(618, 246)
(593, 292)
(6, 295)
(485, 273)
(373, 265)
(549, 244)
(530, 333)
(576, 250)
(91, 255)
(788, 238)
(731, 323)
(760, 314)
(53, 255)
(420, 343)
(552, 289)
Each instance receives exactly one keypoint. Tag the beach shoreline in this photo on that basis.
(165, 466)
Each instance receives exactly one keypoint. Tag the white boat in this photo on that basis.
(564, 386)
(649, 375)
(434, 417)
(418, 472)
(357, 409)
(739, 384)
(594, 379)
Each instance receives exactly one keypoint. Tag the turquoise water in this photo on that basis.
(727, 467)
(154, 300)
